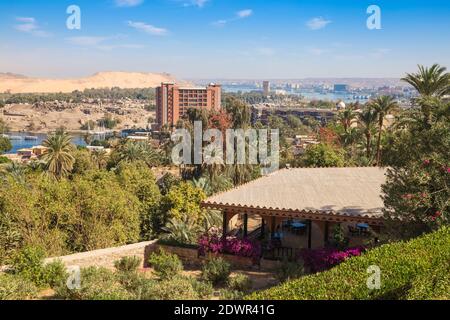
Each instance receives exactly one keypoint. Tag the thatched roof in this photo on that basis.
(351, 192)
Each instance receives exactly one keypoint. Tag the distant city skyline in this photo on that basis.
(221, 39)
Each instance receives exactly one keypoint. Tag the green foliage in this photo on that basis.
(166, 265)
(29, 265)
(59, 157)
(128, 264)
(289, 270)
(204, 289)
(240, 282)
(4, 160)
(177, 288)
(182, 230)
(404, 266)
(96, 284)
(91, 211)
(5, 145)
(338, 236)
(14, 287)
(184, 199)
(227, 294)
(139, 180)
(323, 155)
(216, 270)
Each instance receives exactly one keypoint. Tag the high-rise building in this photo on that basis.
(266, 88)
(173, 102)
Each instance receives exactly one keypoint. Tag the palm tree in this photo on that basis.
(434, 81)
(138, 151)
(367, 120)
(59, 159)
(347, 118)
(432, 84)
(383, 106)
(100, 158)
(16, 171)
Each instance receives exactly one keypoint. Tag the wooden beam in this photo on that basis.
(327, 232)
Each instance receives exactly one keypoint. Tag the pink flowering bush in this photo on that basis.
(324, 259)
(213, 243)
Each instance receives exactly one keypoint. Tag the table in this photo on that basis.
(298, 225)
(363, 226)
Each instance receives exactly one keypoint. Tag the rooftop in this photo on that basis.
(354, 192)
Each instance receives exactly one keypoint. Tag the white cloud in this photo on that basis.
(317, 23)
(148, 28)
(99, 43)
(128, 3)
(244, 13)
(239, 15)
(195, 3)
(86, 41)
(30, 25)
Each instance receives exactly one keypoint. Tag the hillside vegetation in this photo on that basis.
(418, 269)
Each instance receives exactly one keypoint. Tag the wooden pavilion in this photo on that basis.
(321, 197)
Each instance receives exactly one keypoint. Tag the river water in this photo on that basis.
(21, 143)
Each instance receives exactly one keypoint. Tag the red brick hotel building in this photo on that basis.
(172, 102)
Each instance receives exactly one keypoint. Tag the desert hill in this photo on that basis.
(21, 84)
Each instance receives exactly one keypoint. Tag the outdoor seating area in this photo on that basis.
(294, 209)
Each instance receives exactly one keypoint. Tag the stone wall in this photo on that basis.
(107, 257)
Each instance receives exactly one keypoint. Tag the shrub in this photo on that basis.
(28, 263)
(166, 265)
(13, 287)
(408, 271)
(55, 274)
(289, 271)
(324, 259)
(128, 264)
(213, 243)
(226, 294)
(240, 282)
(203, 289)
(96, 284)
(177, 288)
(216, 270)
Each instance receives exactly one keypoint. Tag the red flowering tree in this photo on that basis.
(417, 192)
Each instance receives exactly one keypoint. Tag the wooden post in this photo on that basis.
(309, 234)
(245, 225)
(327, 231)
(224, 225)
(273, 227)
(263, 227)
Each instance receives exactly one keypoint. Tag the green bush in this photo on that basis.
(226, 294)
(166, 265)
(203, 289)
(28, 263)
(289, 271)
(96, 284)
(176, 288)
(13, 287)
(55, 274)
(408, 270)
(240, 283)
(128, 264)
(216, 270)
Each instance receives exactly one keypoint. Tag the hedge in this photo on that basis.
(417, 269)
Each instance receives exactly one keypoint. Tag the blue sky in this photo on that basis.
(224, 38)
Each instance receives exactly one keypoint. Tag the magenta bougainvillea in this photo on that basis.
(324, 259)
(214, 243)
